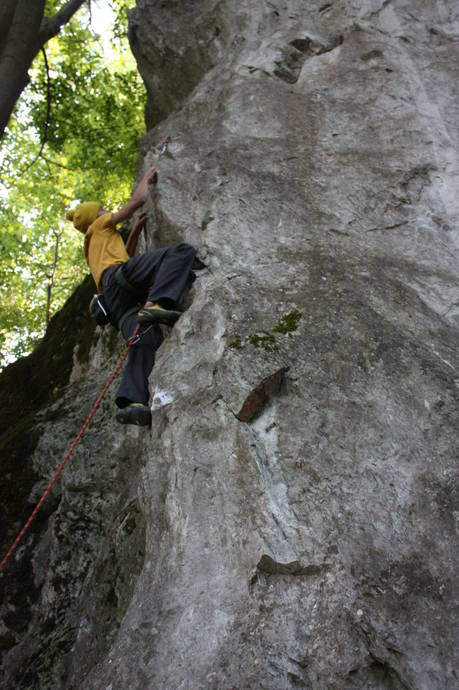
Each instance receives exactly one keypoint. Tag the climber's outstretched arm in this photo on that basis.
(138, 197)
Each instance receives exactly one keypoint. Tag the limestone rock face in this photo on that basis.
(291, 519)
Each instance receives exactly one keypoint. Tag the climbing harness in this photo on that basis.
(133, 340)
(138, 335)
(124, 282)
(140, 296)
(129, 312)
(98, 310)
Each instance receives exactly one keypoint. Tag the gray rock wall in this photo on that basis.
(291, 521)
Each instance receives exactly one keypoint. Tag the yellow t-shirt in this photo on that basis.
(103, 247)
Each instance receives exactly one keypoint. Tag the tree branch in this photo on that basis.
(58, 165)
(52, 276)
(52, 26)
(48, 116)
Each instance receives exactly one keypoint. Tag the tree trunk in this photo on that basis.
(6, 16)
(19, 51)
(23, 32)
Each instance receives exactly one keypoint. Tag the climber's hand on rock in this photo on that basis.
(140, 221)
(151, 175)
(141, 193)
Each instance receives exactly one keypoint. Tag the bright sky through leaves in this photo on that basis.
(95, 120)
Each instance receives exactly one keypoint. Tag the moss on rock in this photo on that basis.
(265, 340)
(288, 323)
(236, 343)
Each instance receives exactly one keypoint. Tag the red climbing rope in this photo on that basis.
(14, 545)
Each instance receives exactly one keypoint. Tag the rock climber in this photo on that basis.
(144, 289)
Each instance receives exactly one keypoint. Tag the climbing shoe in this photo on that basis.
(157, 314)
(135, 413)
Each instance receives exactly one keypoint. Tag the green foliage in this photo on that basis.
(91, 122)
(265, 340)
(288, 322)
